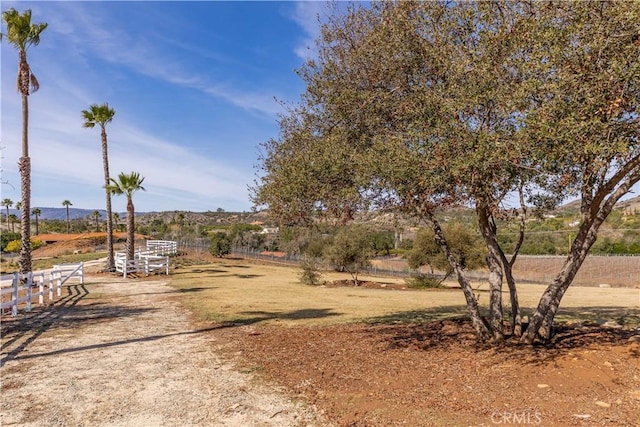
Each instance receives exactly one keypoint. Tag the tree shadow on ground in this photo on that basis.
(447, 326)
(65, 313)
(15, 354)
(194, 289)
(306, 313)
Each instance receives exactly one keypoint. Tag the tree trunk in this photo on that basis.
(478, 322)
(595, 214)
(130, 229)
(111, 265)
(488, 231)
(25, 186)
(516, 317)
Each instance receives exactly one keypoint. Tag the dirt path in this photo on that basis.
(118, 353)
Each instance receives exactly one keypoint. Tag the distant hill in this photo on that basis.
(628, 205)
(147, 217)
(61, 213)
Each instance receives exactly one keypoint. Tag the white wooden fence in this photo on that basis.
(21, 288)
(154, 258)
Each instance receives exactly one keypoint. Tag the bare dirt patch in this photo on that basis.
(437, 375)
(125, 353)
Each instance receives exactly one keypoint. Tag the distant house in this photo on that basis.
(270, 230)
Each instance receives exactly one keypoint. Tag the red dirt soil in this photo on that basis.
(437, 375)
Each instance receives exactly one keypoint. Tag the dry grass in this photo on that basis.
(240, 291)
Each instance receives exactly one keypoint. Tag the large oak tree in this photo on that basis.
(417, 106)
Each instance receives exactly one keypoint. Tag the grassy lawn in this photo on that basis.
(243, 292)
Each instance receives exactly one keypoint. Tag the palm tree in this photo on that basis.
(96, 216)
(102, 114)
(22, 34)
(116, 218)
(66, 204)
(181, 222)
(8, 203)
(128, 184)
(36, 212)
(12, 219)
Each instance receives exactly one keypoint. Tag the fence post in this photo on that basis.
(14, 294)
(29, 285)
(51, 285)
(41, 291)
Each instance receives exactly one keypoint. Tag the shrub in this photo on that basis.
(424, 281)
(310, 272)
(14, 245)
(220, 245)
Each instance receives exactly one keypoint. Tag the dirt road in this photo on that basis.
(125, 353)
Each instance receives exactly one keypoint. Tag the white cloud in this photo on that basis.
(308, 15)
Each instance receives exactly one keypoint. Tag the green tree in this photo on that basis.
(351, 250)
(220, 244)
(102, 115)
(7, 203)
(66, 204)
(465, 245)
(7, 237)
(419, 106)
(95, 215)
(13, 219)
(116, 221)
(36, 212)
(22, 34)
(128, 184)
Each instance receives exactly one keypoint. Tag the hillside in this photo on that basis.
(629, 206)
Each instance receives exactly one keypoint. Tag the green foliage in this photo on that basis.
(464, 243)
(7, 237)
(247, 236)
(156, 229)
(15, 245)
(220, 244)
(424, 281)
(310, 272)
(381, 241)
(351, 250)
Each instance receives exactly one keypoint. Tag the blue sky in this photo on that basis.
(196, 88)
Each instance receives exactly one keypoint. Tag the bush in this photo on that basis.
(310, 272)
(14, 245)
(220, 245)
(424, 281)
(7, 237)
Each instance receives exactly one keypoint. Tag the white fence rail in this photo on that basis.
(154, 258)
(22, 288)
(162, 247)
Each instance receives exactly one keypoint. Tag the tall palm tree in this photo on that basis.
(66, 204)
(96, 216)
(7, 203)
(101, 115)
(36, 212)
(128, 184)
(13, 219)
(116, 219)
(22, 34)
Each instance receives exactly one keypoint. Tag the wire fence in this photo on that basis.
(596, 270)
